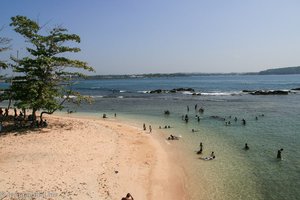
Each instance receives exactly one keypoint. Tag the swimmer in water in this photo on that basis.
(246, 146)
(279, 153)
(208, 158)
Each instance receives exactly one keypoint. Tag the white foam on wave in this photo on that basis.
(143, 91)
(97, 96)
(220, 93)
(188, 92)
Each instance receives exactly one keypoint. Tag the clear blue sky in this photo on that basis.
(150, 36)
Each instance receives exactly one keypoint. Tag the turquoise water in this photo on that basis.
(235, 173)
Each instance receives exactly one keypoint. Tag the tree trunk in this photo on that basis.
(33, 114)
(44, 112)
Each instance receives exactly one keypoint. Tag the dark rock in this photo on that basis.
(296, 89)
(248, 91)
(156, 91)
(184, 89)
(269, 92)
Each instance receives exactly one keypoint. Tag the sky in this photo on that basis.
(168, 36)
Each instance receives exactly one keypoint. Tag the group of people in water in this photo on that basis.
(144, 128)
(278, 152)
(246, 147)
(210, 157)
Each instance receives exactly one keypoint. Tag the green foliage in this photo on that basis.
(4, 46)
(45, 75)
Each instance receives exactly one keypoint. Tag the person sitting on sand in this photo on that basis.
(212, 154)
(128, 197)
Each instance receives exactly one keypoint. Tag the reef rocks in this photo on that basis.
(296, 89)
(175, 90)
(267, 92)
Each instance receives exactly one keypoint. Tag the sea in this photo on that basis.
(272, 123)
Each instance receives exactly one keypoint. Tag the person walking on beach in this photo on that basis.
(188, 108)
(150, 128)
(144, 126)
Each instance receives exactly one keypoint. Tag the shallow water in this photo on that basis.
(235, 173)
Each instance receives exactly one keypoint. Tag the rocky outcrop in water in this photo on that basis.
(267, 92)
(175, 90)
(296, 89)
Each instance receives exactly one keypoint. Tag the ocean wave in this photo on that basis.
(144, 91)
(97, 96)
(188, 93)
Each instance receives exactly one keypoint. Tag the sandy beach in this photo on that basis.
(80, 158)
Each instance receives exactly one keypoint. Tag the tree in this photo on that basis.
(4, 46)
(44, 77)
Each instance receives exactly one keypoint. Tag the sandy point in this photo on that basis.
(85, 158)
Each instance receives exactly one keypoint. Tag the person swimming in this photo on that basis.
(172, 137)
(208, 158)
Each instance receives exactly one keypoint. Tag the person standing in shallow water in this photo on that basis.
(246, 146)
(279, 153)
(201, 149)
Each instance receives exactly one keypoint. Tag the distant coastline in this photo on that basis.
(276, 71)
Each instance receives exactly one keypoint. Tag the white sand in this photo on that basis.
(87, 159)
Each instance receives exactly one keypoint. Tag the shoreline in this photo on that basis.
(86, 158)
